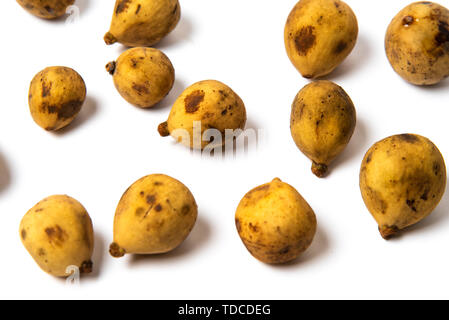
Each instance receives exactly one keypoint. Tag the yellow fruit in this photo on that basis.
(142, 76)
(275, 223)
(46, 9)
(210, 102)
(319, 35)
(58, 233)
(402, 180)
(55, 97)
(142, 23)
(322, 123)
(417, 43)
(155, 215)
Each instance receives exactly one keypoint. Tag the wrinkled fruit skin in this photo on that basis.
(402, 180)
(55, 97)
(213, 103)
(58, 233)
(322, 122)
(142, 23)
(417, 43)
(319, 35)
(143, 76)
(46, 9)
(155, 215)
(275, 223)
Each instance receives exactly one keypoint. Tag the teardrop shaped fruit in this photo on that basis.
(46, 9)
(402, 180)
(205, 105)
(417, 43)
(58, 234)
(322, 123)
(142, 23)
(319, 35)
(142, 76)
(275, 223)
(55, 97)
(155, 215)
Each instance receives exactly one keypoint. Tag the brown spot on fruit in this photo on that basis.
(284, 250)
(411, 205)
(56, 235)
(24, 234)
(341, 46)
(185, 210)
(46, 89)
(138, 9)
(408, 138)
(442, 36)
(122, 6)
(408, 21)
(305, 40)
(158, 208)
(41, 252)
(140, 211)
(141, 89)
(193, 100)
(253, 228)
(238, 225)
(151, 199)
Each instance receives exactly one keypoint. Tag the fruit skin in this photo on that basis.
(417, 43)
(142, 76)
(58, 233)
(402, 180)
(46, 9)
(322, 122)
(275, 223)
(142, 23)
(319, 35)
(55, 97)
(213, 103)
(155, 215)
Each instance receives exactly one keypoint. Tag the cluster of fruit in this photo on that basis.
(402, 178)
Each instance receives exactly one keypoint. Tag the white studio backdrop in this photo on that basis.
(112, 144)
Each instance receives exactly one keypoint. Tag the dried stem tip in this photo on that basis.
(116, 251)
(163, 129)
(110, 67)
(319, 170)
(109, 38)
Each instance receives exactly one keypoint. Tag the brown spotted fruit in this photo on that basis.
(142, 23)
(142, 76)
(319, 35)
(46, 9)
(55, 97)
(417, 43)
(275, 223)
(205, 105)
(58, 234)
(322, 122)
(402, 180)
(155, 215)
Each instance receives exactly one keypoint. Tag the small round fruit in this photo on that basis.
(417, 43)
(155, 215)
(55, 97)
(402, 180)
(319, 35)
(58, 233)
(46, 9)
(322, 123)
(142, 23)
(209, 104)
(275, 223)
(143, 76)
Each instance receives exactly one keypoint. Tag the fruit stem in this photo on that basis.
(116, 251)
(319, 170)
(163, 129)
(109, 38)
(388, 232)
(86, 267)
(110, 67)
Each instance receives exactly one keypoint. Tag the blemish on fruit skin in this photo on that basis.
(408, 21)
(122, 6)
(24, 234)
(193, 101)
(305, 40)
(408, 138)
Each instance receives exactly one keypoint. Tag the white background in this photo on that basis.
(112, 144)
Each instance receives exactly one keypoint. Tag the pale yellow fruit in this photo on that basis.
(142, 76)
(58, 233)
(55, 97)
(322, 123)
(319, 35)
(402, 180)
(155, 215)
(142, 23)
(275, 223)
(417, 43)
(46, 9)
(211, 105)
